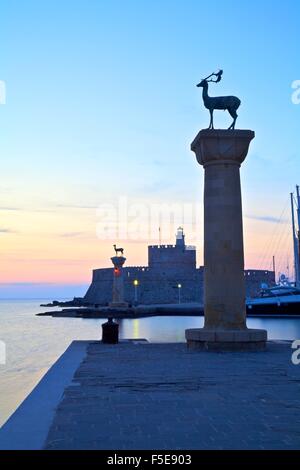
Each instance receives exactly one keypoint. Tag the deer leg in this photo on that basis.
(211, 124)
(234, 115)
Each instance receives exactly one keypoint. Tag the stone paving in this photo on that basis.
(162, 396)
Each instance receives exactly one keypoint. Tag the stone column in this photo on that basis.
(221, 153)
(118, 283)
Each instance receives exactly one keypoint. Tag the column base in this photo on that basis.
(226, 340)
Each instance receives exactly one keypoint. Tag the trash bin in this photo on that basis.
(110, 332)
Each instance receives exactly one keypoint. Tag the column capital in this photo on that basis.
(217, 146)
(118, 261)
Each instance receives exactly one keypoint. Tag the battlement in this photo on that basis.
(136, 269)
(161, 247)
(168, 247)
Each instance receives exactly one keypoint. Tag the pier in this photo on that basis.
(139, 395)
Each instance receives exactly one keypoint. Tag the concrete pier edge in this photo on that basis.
(28, 426)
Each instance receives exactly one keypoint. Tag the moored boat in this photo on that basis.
(277, 300)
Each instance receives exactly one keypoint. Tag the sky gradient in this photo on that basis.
(101, 104)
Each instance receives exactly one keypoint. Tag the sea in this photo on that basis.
(32, 344)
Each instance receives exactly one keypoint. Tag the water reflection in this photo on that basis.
(171, 329)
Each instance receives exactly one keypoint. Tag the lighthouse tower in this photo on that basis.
(180, 243)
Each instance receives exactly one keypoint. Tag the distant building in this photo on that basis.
(169, 266)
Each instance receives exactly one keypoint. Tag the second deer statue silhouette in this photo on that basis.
(118, 250)
(229, 103)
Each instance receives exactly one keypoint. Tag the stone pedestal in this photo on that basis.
(221, 153)
(118, 283)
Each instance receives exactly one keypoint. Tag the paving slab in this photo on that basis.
(163, 396)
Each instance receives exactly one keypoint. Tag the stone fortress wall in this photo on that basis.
(168, 266)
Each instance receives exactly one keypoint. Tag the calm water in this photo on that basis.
(34, 343)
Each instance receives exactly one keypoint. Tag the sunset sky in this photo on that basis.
(101, 108)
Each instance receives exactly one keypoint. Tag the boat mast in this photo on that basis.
(296, 246)
(298, 232)
(274, 268)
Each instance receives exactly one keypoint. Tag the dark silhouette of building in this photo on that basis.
(170, 268)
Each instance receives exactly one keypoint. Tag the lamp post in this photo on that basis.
(136, 284)
(179, 292)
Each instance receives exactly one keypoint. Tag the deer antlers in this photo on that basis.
(217, 74)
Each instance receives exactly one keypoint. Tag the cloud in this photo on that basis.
(53, 261)
(156, 187)
(158, 162)
(77, 206)
(71, 234)
(5, 189)
(7, 230)
(23, 209)
(4, 208)
(267, 218)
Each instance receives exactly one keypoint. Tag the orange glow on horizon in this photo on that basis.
(53, 247)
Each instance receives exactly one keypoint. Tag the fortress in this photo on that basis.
(169, 266)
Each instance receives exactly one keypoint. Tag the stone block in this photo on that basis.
(224, 336)
(194, 333)
(226, 340)
(258, 335)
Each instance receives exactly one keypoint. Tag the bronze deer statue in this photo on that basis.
(118, 250)
(229, 103)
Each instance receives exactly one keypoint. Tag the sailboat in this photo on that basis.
(284, 298)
